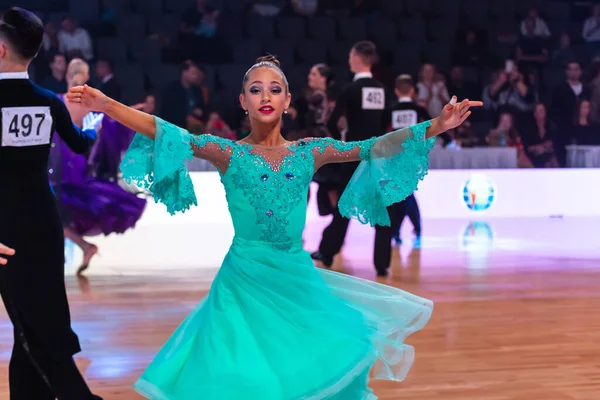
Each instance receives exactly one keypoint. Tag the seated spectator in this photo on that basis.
(587, 133)
(539, 143)
(305, 8)
(108, 83)
(218, 127)
(505, 135)
(50, 40)
(432, 93)
(56, 82)
(509, 92)
(531, 52)
(199, 34)
(268, 8)
(459, 88)
(564, 54)
(591, 26)
(147, 105)
(469, 50)
(74, 41)
(182, 102)
(193, 17)
(463, 136)
(540, 28)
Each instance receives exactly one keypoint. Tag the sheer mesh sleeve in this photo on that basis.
(391, 171)
(160, 165)
(328, 150)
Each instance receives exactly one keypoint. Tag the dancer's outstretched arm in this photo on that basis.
(95, 100)
(6, 251)
(392, 143)
(211, 148)
(392, 165)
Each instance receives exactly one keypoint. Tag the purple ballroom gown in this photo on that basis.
(90, 199)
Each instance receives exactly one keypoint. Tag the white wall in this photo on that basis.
(200, 237)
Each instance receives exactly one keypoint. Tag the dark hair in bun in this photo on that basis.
(23, 31)
(268, 61)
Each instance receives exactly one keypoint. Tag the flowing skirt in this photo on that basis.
(274, 327)
(98, 207)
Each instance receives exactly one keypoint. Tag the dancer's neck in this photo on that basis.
(9, 66)
(268, 135)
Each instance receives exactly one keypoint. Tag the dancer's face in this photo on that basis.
(265, 95)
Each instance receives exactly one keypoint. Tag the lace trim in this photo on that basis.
(379, 183)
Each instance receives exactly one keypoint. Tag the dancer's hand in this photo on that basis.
(88, 97)
(7, 251)
(454, 114)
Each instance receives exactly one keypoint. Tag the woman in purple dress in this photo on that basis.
(87, 189)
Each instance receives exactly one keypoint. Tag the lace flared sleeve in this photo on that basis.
(390, 170)
(160, 165)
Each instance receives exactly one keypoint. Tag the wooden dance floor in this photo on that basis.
(516, 316)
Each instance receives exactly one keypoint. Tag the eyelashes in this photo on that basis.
(275, 90)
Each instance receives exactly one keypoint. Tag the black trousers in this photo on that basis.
(408, 207)
(334, 235)
(34, 375)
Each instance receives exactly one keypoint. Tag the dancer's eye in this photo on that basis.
(254, 90)
(276, 90)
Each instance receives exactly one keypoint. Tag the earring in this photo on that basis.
(246, 112)
(285, 112)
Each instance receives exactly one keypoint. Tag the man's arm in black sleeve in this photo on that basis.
(79, 141)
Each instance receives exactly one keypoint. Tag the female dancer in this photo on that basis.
(92, 204)
(273, 326)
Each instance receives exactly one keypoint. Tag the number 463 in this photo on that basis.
(24, 126)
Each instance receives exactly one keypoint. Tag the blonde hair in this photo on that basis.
(78, 72)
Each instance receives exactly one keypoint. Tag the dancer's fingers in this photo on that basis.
(76, 89)
(464, 117)
(74, 99)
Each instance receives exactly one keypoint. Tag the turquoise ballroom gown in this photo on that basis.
(274, 327)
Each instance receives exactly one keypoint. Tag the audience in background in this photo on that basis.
(432, 93)
(564, 53)
(540, 28)
(305, 8)
(469, 50)
(505, 134)
(147, 105)
(587, 132)
(108, 83)
(182, 102)
(563, 109)
(534, 59)
(540, 140)
(268, 8)
(50, 41)
(56, 81)
(74, 41)
(531, 52)
(591, 27)
(216, 126)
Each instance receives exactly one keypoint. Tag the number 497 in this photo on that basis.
(24, 125)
